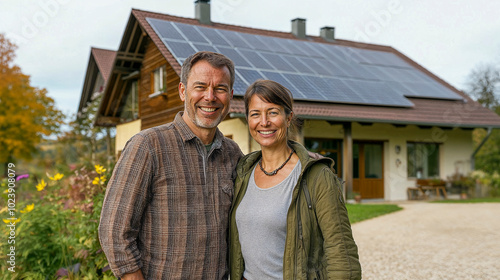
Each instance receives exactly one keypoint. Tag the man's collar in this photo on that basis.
(187, 134)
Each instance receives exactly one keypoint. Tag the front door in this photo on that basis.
(368, 169)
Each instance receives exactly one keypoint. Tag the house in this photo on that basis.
(98, 71)
(384, 119)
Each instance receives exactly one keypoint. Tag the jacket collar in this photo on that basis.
(247, 162)
(187, 134)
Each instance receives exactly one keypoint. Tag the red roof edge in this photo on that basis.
(104, 59)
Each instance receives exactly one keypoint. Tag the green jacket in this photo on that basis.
(319, 242)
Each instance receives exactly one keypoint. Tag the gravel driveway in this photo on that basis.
(431, 241)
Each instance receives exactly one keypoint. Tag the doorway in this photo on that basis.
(368, 169)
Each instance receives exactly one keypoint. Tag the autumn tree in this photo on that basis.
(27, 113)
(484, 85)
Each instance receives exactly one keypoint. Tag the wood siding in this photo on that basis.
(163, 108)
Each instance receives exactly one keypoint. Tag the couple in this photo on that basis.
(182, 191)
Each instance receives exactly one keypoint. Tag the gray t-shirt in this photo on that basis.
(261, 221)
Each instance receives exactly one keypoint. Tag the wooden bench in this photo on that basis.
(415, 193)
(424, 185)
(433, 185)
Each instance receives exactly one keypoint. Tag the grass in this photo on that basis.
(470, 200)
(361, 212)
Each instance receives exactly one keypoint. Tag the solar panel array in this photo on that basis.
(312, 71)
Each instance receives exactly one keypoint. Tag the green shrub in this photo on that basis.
(59, 229)
(492, 181)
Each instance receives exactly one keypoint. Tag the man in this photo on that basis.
(165, 213)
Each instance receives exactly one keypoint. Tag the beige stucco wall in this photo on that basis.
(124, 132)
(238, 131)
(455, 149)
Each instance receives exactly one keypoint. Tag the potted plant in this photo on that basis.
(356, 196)
(462, 183)
(353, 197)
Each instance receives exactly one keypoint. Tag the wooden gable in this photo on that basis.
(162, 108)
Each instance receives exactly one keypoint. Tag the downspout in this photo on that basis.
(472, 161)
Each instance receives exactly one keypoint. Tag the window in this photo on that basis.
(159, 80)
(423, 160)
(327, 147)
(130, 109)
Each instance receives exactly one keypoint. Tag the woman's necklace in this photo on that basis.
(272, 173)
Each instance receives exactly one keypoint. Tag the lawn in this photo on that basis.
(361, 212)
(471, 200)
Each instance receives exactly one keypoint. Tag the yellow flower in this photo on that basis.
(6, 191)
(11, 220)
(28, 208)
(56, 177)
(41, 185)
(96, 181)
(103, 178)
(99, 169)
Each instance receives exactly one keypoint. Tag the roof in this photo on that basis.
(418, 108)
(100, 64)
(426, 112)
(104, 60)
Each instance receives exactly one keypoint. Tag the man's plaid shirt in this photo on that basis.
(167, 205)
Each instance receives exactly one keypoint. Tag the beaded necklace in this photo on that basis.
(272, 173)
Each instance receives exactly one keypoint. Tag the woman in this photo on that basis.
(288, 219)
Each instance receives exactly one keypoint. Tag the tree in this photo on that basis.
(484, 86)
(27, 113)
(92, 144)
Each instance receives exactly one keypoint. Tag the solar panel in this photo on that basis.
(278, 62)
(235, 39)
(445, 92)
(250, 76)
(377, 93)
(303, 86)
(307, 48)
(392, 60)
(348, 54)
(256, 60)
(398, 74)
(379, 73)
(311, 70)
(277, 77)
(234, 56)
(319, 85)
(203, 47)
(213, 36)
(274, 45)
(165, 29)
(179, 49)
(291, 46)
(256, 42)
(341, 92)
(297, 64)
(399, 88)
(313, 64)
(333, 69)
(239, 87)
(191, 33)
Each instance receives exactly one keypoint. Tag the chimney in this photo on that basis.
(202, 11)
(299, 28)
(327, 33)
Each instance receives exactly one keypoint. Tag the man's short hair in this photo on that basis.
(217, 60)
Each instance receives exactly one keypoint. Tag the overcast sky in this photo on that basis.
(449, 38)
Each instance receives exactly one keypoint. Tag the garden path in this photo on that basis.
(431, 241)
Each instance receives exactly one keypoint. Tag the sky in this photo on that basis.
(449, 38)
